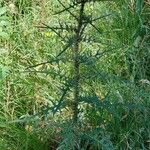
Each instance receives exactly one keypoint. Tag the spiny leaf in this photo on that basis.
(58, 106)
(139, 5)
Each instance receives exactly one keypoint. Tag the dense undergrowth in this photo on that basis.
(45, 104)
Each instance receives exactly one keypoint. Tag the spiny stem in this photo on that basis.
(76, 62)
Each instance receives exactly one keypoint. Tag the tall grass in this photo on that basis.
(114, 97)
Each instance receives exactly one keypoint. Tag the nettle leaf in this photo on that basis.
(2, 10)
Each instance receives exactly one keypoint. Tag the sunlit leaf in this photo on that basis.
(4, 35)
(2, 10)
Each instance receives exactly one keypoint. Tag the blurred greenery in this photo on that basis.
(37, 75)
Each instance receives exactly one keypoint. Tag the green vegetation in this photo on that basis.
(74, 75)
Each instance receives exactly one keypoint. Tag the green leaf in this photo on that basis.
(139, 4)
(106, 144)
(4, 71)
(3, 10)
(4, 35)
(3, 51)
(4, 23)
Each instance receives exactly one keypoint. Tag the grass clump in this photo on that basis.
(74, 75)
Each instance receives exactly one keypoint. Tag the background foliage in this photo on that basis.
(36, 86)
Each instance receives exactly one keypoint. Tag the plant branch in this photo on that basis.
(68, 10)
(76, 62)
